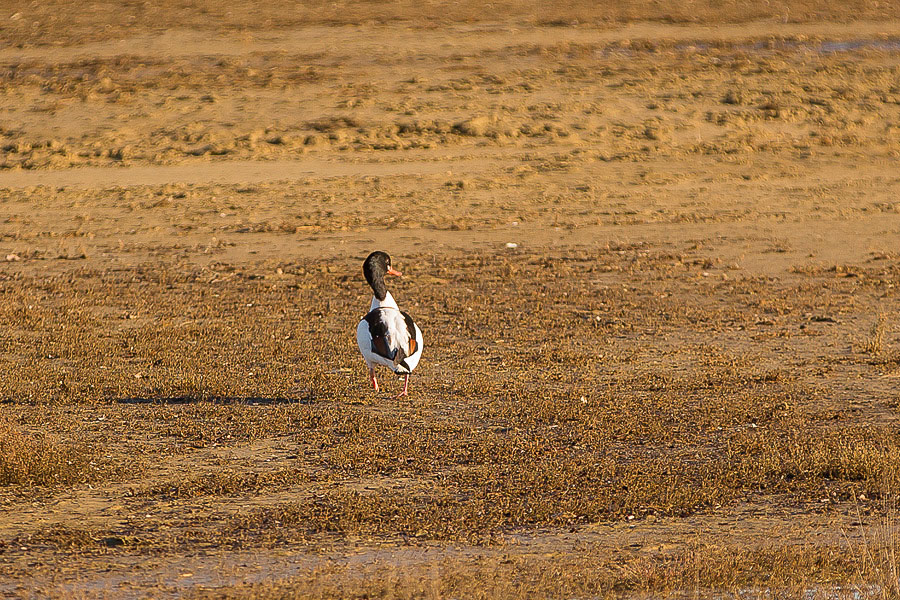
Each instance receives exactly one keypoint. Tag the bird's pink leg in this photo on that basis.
(405, 391)
(372, 379)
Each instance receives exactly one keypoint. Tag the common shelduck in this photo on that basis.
(387, 336)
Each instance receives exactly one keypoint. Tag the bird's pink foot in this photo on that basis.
(405, 391)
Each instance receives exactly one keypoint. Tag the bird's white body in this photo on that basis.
(397, 338)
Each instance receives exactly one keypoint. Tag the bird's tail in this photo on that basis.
(400, 365)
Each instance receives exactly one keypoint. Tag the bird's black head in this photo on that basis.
(375, 267)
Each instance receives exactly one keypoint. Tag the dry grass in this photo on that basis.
(487, 445)
(876, 554)
(697, 570)
(504, 485)
(506, 447)
(874, 344)
(29, 459)
(225, 484)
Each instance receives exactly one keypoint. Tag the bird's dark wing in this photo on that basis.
(378, 331)
(411, 328)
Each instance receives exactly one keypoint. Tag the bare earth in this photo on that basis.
(656, 265)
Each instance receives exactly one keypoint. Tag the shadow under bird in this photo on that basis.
(386, 335)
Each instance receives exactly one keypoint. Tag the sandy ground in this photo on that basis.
(749, 168)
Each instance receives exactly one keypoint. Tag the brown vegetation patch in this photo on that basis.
(702, 568)
(29, 458)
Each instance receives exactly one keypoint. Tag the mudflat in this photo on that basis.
(653, 250)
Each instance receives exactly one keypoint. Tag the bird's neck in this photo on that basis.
(388, 302)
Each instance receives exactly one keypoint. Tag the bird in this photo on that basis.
(386, 335)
